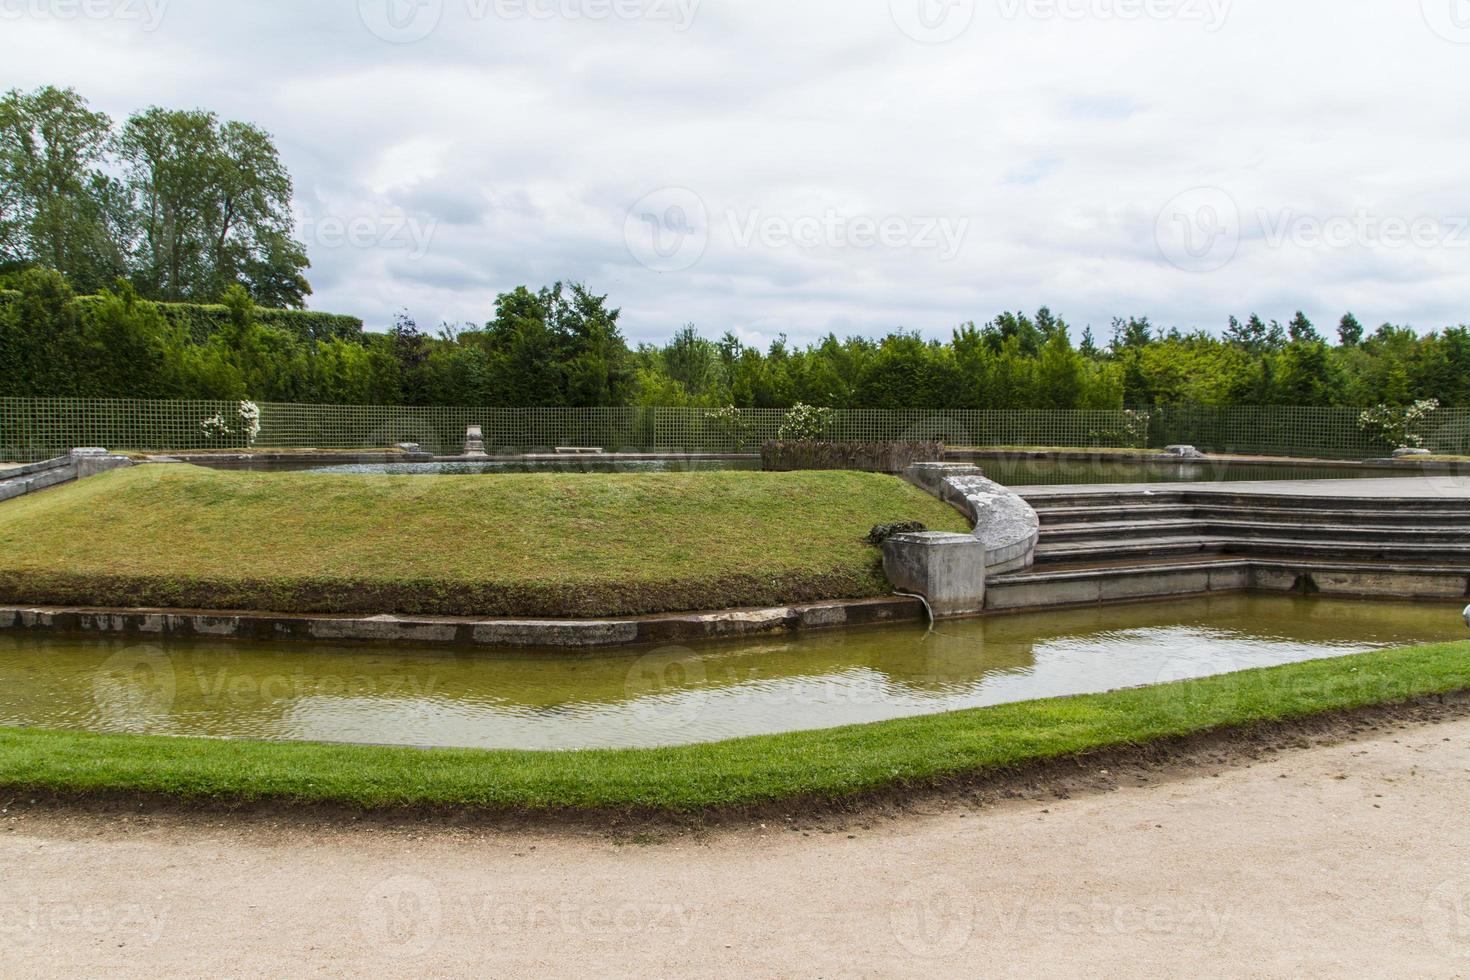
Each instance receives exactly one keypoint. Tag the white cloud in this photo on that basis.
(1057, 129)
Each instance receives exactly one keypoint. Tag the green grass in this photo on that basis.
(505, 545)
(824, 766)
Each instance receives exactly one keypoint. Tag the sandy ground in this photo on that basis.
(1350, 858)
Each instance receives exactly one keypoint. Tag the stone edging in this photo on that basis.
(1004, 522)
(77, 465)
(581, 634)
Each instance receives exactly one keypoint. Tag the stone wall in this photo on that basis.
(77, 465)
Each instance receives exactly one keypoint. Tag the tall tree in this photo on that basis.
(214, 209)
(58, 208)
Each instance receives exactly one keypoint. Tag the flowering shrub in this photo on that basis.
(250, 422)
(1401, 428)
(248, 415)
(215, 427)
(805, 423)
(733, 425)
(1131, 432)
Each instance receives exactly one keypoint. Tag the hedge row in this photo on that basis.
(200, 321)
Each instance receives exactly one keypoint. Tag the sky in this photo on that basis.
(797, 167)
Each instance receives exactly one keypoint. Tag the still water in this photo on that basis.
(673, 695)
(1015, 471)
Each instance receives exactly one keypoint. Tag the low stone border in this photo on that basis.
(1004, 522)
(578, 634)
(77, 465)
(1090, 587)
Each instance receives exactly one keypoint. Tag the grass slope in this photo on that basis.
(834, 765)
(511, 545)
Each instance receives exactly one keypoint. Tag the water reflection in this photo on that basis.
(673, 695)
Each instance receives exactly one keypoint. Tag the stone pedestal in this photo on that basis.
(474, 441)
(946, 569)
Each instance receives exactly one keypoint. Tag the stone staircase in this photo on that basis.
(1101, 545)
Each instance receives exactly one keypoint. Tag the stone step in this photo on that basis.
(1385, 517)
(1046, 504)
(1123, 531)
(1052, 553)
(1043, 588)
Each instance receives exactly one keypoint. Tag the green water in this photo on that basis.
(672, 695)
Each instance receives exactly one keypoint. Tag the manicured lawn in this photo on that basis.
(508, 545)
(831, 765)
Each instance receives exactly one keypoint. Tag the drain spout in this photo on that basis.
(927, 608)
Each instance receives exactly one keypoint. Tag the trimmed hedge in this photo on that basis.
(200, 321)
(867, 457)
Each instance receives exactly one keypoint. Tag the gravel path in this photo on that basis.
(1341, 859)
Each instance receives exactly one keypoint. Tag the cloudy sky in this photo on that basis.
(800, 166)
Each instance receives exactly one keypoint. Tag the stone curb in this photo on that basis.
(578, 634)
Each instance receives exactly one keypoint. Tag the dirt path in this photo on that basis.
(1342, 859)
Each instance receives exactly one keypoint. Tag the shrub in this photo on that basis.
(868, 457)
(733, 425)
(883, 532)
(806, 423)
(1400, 428)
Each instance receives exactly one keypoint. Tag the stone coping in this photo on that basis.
(1068, 588)
(586, 634)
(1004, 522)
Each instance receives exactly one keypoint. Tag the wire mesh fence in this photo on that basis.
(39, 428)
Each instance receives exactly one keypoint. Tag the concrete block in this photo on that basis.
(946, 569)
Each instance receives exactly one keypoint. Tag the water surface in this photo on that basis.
(673, 695)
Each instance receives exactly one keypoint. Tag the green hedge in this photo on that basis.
(199, 321)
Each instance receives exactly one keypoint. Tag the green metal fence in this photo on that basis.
(39, 428)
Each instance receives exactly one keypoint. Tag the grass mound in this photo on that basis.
(555, 545)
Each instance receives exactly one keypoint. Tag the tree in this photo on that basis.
(1301, 329)
(1349, 331)
(58, 208)
(214, 207)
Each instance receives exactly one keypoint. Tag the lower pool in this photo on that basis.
(673, 695)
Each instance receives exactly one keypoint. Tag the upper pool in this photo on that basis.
(1016, 471)
(673, 695)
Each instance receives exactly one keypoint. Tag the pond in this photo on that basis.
(1016, 471)
(673, 695)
